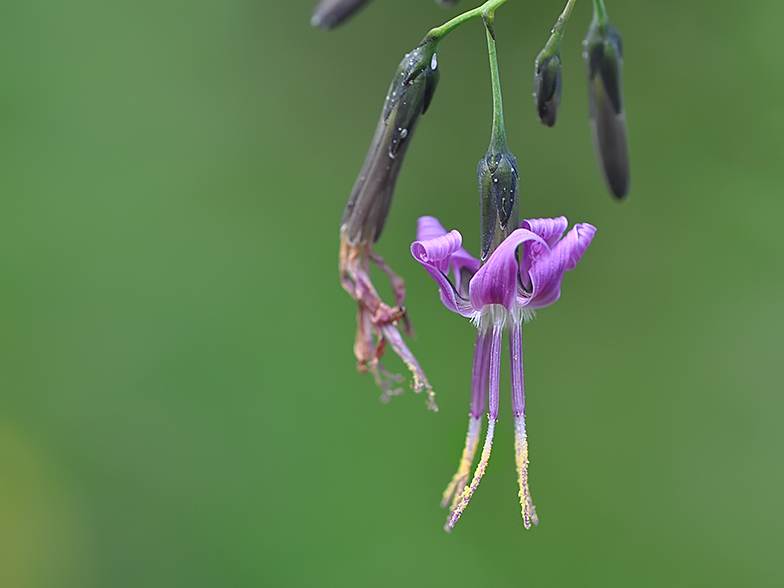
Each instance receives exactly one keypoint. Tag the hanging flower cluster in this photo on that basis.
(521, 264)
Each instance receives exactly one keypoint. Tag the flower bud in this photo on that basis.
(499, 189)
(409, 96)
(330, 13)
(603, 58)
(547, 86)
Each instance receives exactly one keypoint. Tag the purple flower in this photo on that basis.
(502, 293)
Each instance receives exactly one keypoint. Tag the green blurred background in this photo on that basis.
(178, 399)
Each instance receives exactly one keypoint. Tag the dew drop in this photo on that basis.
(434, 61)
(403, 133)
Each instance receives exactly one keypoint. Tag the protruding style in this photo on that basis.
(604, 61)
(330, 13)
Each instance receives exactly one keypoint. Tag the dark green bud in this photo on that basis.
(409, 96)
(499, 190)
(330, 13)
(604, 60)
(547, 86)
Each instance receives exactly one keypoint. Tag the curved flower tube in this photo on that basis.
(522, 274)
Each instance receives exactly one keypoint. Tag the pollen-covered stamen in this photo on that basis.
(496, 315)
(518, 411)
(521, 460)
(462, 500)
(478, 403)
(460, 479)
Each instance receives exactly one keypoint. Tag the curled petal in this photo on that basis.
(496, 281)
(547, 272)
(436, 255)
(437, 250)
(585, 233)
(428, 228)
(549, 229)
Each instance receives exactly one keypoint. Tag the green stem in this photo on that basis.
(558, 30)
(600, 13)
(439, 33)
(498, 137)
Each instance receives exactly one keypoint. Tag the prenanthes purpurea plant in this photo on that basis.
(520, 266)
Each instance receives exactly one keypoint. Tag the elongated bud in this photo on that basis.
(330, 13)
(409, 96)
(499, 190)
(547, 86)
(604, 60)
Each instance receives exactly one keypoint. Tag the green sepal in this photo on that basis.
(499, 190)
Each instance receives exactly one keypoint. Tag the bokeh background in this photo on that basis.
(178, 399)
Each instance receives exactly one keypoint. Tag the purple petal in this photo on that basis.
(436, 251)
(464, 266)
(547, 271)
(496, 281)
(428, 227)
(585, 233)
(549, 229)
